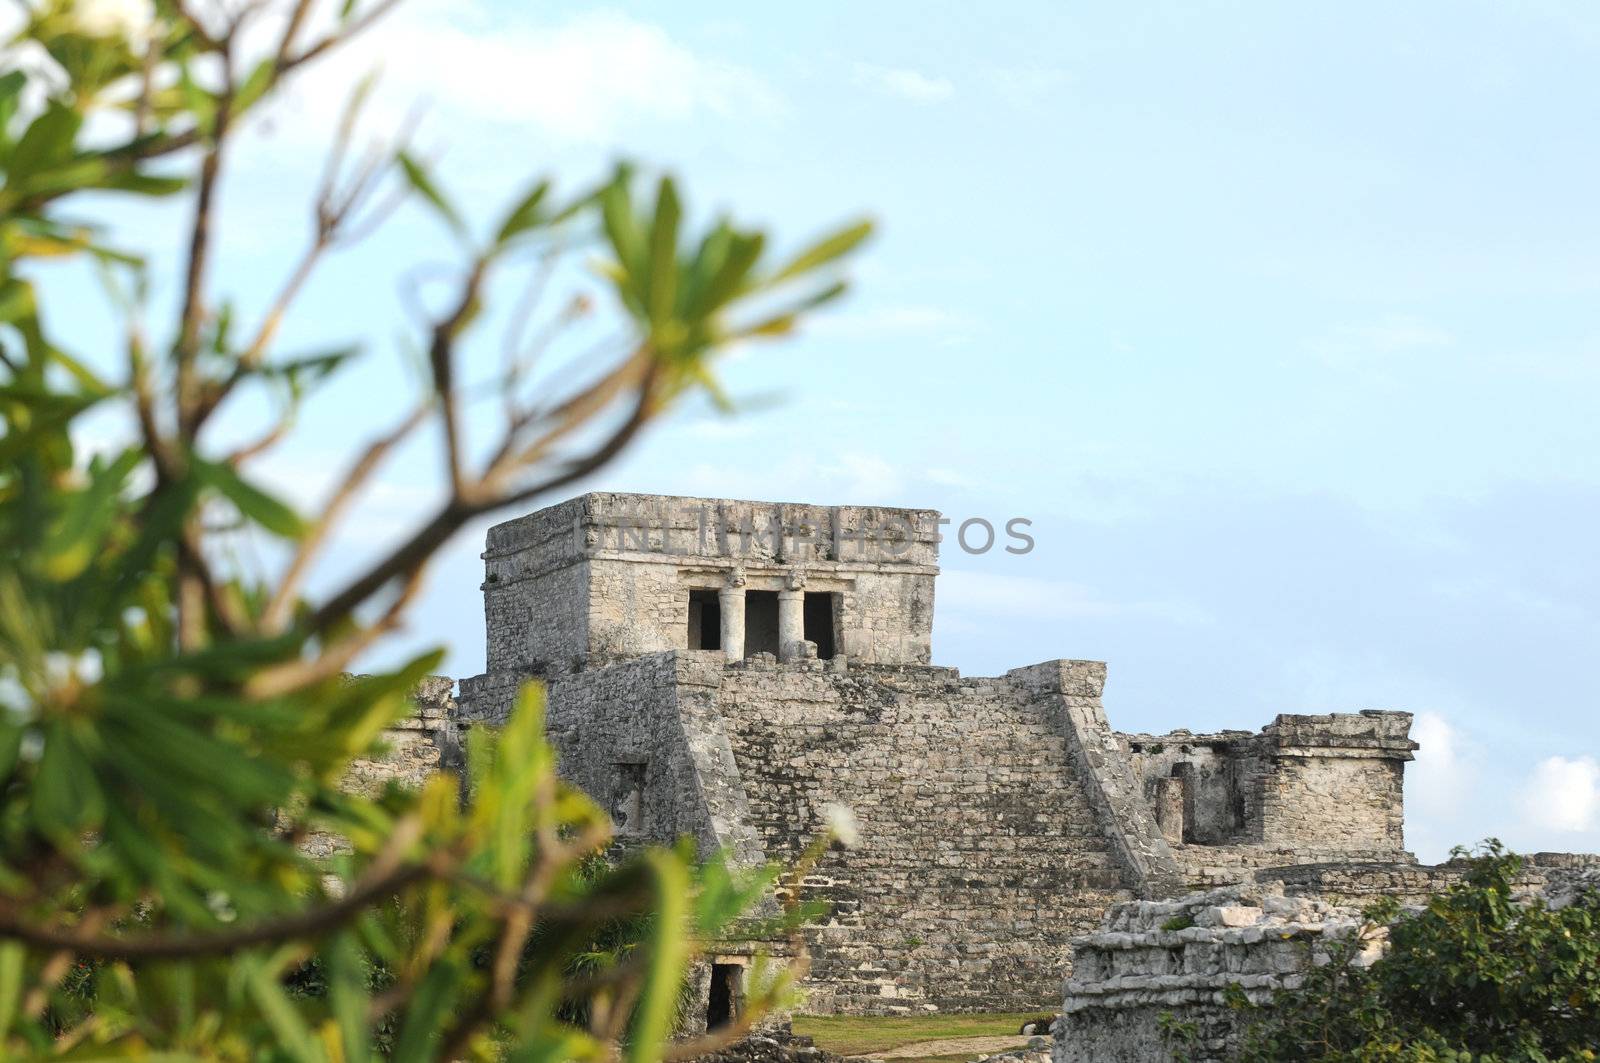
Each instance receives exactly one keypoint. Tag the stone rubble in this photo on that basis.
(1177, 957)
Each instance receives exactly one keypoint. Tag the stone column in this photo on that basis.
(791, 623)
(731, 600)
(1169, 808)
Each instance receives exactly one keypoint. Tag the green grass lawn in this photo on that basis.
(857, 1035)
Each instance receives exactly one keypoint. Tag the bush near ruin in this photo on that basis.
(1479, 975)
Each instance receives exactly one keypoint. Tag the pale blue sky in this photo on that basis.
(1280, 323)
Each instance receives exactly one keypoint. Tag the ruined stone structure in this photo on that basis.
(728, 670)
(1151, 983)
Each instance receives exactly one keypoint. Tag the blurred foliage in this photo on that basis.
(1475, 977)
(173, 727)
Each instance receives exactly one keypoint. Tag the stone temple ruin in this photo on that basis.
(728, 670)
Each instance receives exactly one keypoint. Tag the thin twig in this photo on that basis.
(276, 614)
(295, 675)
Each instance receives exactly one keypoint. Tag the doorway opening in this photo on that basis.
(820, 613)
(705, 620)
(760, 622)
(726, 998)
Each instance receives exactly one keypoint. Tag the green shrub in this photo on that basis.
(1475, 976)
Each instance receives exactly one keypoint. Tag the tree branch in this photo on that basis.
(457, 512)
(188, 946)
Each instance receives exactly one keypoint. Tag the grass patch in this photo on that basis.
(859, 1035)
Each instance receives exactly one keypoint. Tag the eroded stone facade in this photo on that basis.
(727, 670)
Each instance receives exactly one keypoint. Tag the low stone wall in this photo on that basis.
(1157, 958)
(1552, 875)
(1210, 866)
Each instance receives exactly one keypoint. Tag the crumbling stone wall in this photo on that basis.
(1304, 789)
(1150, 983)
(645, 726)
(1175, 958)
(980, 852)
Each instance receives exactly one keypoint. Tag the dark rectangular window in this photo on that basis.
(705, 621)
(820, 622)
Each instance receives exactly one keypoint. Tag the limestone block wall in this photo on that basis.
(1211, 773)
(415, 747)
(1356, 882)
(1305, 786)
(1336, 780)
(605, 577)
(535, 591)
(1153, 958)
(981, 853)
(1177, 957)
(536, 619)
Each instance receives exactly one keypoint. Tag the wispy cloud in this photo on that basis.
(586, 79)
(912, 85)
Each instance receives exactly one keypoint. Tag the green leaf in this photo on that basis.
(48, 141)
(622, 228)
(12, 956)
(11, 86)
(255, 86)
(277, 1009)
(75, 538)
(829, 248)
(308, 370)
(423, 185)
(663, 276)
(783, 322)
(524, 216)
(420, 1030)
(731, 279)
(67, 798)
(254, 503)
(348, 996)
(669, 951)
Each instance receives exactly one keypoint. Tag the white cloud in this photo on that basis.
(1387, 337)
(585, 79)
(1441, 775)
(1563, 794)
(907, 84)
(865, 477)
